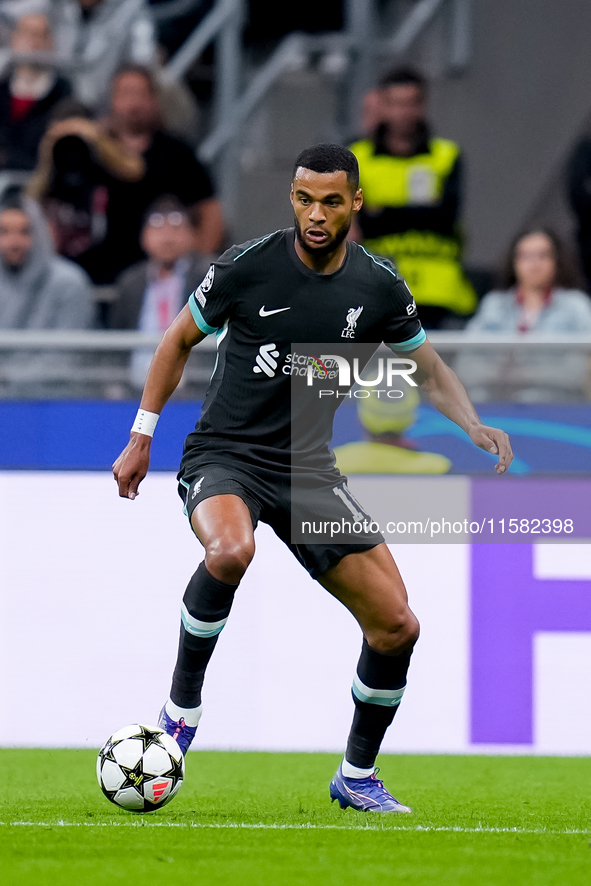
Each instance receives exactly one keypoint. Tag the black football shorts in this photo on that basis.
(320, 522)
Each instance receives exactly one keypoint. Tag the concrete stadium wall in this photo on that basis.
(89, 596)
(516, 112)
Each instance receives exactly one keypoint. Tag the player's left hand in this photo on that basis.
(495, 441)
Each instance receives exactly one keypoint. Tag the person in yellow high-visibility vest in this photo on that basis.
(386, 450)
(411, 189)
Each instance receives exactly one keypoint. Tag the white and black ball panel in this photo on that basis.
(173, 749)
(129, 752)
(126, 732)
(112, 776)
(156, 760)
(175, 790)
(130, 798)
(140, 768)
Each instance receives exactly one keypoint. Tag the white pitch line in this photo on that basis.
(230, 825)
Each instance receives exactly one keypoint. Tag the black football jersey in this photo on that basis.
(259, 299)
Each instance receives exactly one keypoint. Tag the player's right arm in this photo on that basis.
(164, 375)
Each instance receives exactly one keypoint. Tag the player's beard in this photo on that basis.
(327, 248)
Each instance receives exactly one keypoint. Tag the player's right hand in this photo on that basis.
(132, 465)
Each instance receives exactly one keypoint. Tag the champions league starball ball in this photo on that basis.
(140, 768)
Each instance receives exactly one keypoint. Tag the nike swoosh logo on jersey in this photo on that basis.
(263, 313)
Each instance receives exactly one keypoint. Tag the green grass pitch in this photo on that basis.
(266, 819)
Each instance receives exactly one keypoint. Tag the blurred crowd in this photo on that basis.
(101, 180)
(108, 219)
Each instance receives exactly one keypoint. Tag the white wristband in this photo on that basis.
(145, 422)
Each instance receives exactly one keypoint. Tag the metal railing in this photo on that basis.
(89, 364)
(359, 42)
(84, 340)
(123, 340)
(208, 29)
(163, 12)
(112, 365)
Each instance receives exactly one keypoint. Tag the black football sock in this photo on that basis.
(378, 687)
(204, 612)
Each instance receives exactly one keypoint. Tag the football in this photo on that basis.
(140, 768)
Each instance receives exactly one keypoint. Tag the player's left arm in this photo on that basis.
(449, 396)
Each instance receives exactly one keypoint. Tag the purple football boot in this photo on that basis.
(364, 794)
(178, 730)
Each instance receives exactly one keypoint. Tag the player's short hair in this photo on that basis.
(402, 76)
(327, 157)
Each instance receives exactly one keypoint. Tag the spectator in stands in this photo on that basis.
(38, 289)
(412, 185)
(579, 192)
(12, 10)
(99, 36)
(538, 295)
(151, 293)
(110, 171)
(538, 291)
(30, 96)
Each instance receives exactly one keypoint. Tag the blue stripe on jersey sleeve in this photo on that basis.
(410, 345)
(198, 317)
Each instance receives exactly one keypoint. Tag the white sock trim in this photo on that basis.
(350, 771)
(191, 716)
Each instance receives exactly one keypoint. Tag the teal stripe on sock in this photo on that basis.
(387, 697)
